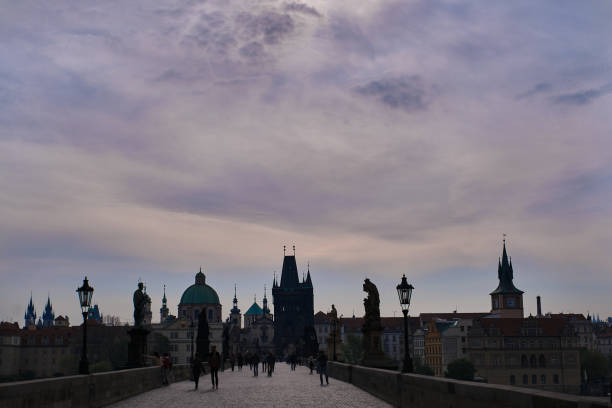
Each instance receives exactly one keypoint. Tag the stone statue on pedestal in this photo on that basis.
(137, 347)
(139, 305)
(373, 355)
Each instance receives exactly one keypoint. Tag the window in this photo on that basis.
(532, 361)
(210, 314)
(534, 379)
(462, 328)
(556, 378)
(523, 361)
(510, 302)
(512, 380)
(525, 379)
(543, 379)
(542, 361)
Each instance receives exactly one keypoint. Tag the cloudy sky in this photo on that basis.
(146, 139)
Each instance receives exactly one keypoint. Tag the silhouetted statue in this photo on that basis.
(139, 305)
(372, 306)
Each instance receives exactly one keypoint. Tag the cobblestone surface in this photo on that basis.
(285, 388)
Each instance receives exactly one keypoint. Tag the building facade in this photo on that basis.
(536, 353)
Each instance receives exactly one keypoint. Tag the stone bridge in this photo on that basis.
(350, 386)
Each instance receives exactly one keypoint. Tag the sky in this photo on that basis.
(144, 140)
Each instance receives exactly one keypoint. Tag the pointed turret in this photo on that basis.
(30, 314)
(505, 274)
(164, 311)
(266, 310)
(235, 302)
(308, 279)
(48, 317)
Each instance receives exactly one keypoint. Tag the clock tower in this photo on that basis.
(506, 300)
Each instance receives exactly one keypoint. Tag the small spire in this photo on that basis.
(200, 268)
(284, 250)
(234, 290)
(308, 266)
(264, 291)
(255, 298)
(294, 250)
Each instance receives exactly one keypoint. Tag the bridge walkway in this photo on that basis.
(285, 388)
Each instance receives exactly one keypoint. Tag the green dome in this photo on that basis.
(199, 293)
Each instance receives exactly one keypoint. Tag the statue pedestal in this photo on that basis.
(137, 347)
(373, 355)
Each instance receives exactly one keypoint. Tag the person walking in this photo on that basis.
(166, 364)
(322, 363)
(311, 364)
(240, 361)
(197, 369)
(255, 360)
(264, 361)
(232, 361)
(214, 362)
(293, 362)
(270, 363)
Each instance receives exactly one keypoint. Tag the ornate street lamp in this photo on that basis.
(404, 291)
(85, 293)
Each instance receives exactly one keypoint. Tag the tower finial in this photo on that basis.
(234, 290)
(255, 298)
(294, 250)
(504, 238)
(264, 291)
(284, 250)
(308, 266)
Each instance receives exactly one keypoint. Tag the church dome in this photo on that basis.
(199, 293)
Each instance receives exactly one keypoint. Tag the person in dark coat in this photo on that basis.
(197, 369)
(255, 360)
(240, 361)
(232, 361)
(214, 362)
(322, 363)
(270, 363)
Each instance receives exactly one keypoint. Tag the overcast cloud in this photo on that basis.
(146, 139)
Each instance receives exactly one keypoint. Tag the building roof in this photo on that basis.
(320, 318)
(199, 293)
(9, 328)
(568, 316)
(505, 274)
(354, 324)
(427, 317)
(289, 275)
(254, 310)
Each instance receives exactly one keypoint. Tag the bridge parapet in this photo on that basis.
(85, 391)
(420, 391)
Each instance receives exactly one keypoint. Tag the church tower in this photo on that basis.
(164, 311)
(48, 317)
(506, 300)
(235, 316)
(266, 309)
(30, 314)
(293, 311)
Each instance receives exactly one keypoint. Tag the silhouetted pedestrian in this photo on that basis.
(197, 369)
(214, 362)
(240, 361)
(322, 363)
(255, 365)
(270, 363)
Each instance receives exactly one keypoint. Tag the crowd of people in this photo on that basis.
(252, 359)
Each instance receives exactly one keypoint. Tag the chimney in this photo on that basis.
(539, 307)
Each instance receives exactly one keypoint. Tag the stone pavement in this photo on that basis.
(285, 388)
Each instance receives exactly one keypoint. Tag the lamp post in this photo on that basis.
(334, 325)
(85, 293)
(404, 291)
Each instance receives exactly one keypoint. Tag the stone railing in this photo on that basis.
(420, 391)
(86, 391)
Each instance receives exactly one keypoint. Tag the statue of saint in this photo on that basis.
(334, 313)
(371, 305)
(139, 305)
